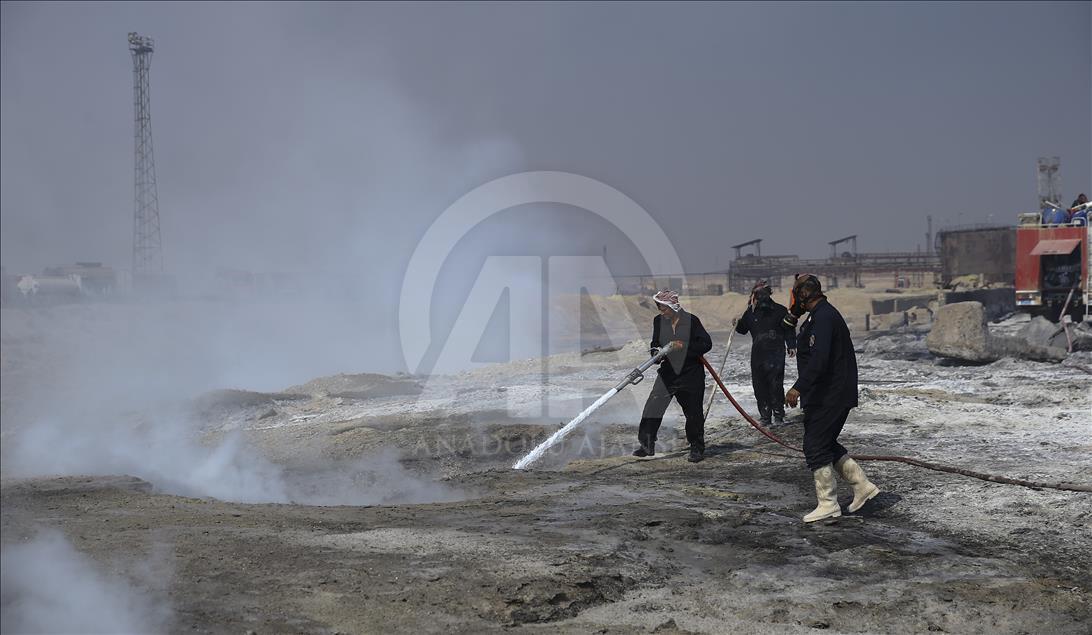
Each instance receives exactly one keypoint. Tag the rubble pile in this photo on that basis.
(960, 332)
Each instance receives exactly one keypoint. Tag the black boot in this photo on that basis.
(764, 416)
(779, 417)
(696, 455)
(647, 448)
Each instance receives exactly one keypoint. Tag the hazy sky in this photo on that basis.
(329, 136)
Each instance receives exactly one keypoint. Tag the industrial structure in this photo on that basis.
(1045, 264)
(59, 284)
(985, 251)
(847, 268)
(147, 242)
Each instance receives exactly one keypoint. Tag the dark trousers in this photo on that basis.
(768, 380)
(822, 425)
(690, 397)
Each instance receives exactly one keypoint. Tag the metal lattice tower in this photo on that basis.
(147, 244)
(1050, 183)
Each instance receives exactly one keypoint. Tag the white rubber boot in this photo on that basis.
(825, 491)
(864, 490)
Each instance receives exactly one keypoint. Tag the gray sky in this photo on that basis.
(329, 136)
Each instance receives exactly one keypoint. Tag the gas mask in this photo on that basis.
(799, 297)
(762, 298)
(761, 294)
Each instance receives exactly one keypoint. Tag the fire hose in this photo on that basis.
(993, 478)
(713, 393)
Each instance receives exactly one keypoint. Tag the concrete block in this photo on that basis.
(997, 302)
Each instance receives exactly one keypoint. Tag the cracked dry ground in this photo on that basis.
(612, 545)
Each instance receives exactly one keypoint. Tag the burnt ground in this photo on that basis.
(609, 545)
(445, 537)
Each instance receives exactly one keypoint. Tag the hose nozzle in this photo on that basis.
(637, 374)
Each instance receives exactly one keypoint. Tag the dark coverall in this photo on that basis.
(681, 375)
(827, 383)
(770, 337)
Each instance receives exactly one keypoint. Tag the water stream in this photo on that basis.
(556, 437)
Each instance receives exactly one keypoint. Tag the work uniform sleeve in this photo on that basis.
(789, 332)
(655, 343)
(822, 331)
(700, 343)
(743, 324)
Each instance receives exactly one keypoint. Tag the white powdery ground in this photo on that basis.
(1026, 417)
(1014, 418)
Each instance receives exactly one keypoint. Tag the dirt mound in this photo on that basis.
(359, 386)
(232, 399)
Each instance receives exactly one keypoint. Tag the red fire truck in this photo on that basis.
(1052, 266)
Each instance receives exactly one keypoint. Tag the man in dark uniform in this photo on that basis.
(827, 390)
(681, 375)
(771, 338)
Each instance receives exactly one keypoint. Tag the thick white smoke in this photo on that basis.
(47, 586)
(166, 452)
(105, 389)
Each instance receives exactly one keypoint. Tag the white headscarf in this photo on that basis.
(669, 299)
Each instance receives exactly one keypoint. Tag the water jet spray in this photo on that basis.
(632, 379)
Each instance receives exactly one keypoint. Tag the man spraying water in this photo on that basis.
(681, 378)
(680, 339)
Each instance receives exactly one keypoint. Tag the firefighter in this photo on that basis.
(827, 391)
(771, 339)
(681, 375)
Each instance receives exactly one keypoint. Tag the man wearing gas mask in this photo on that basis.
(827, 391)
(771, 338)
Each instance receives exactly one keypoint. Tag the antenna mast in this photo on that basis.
(147, 243)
